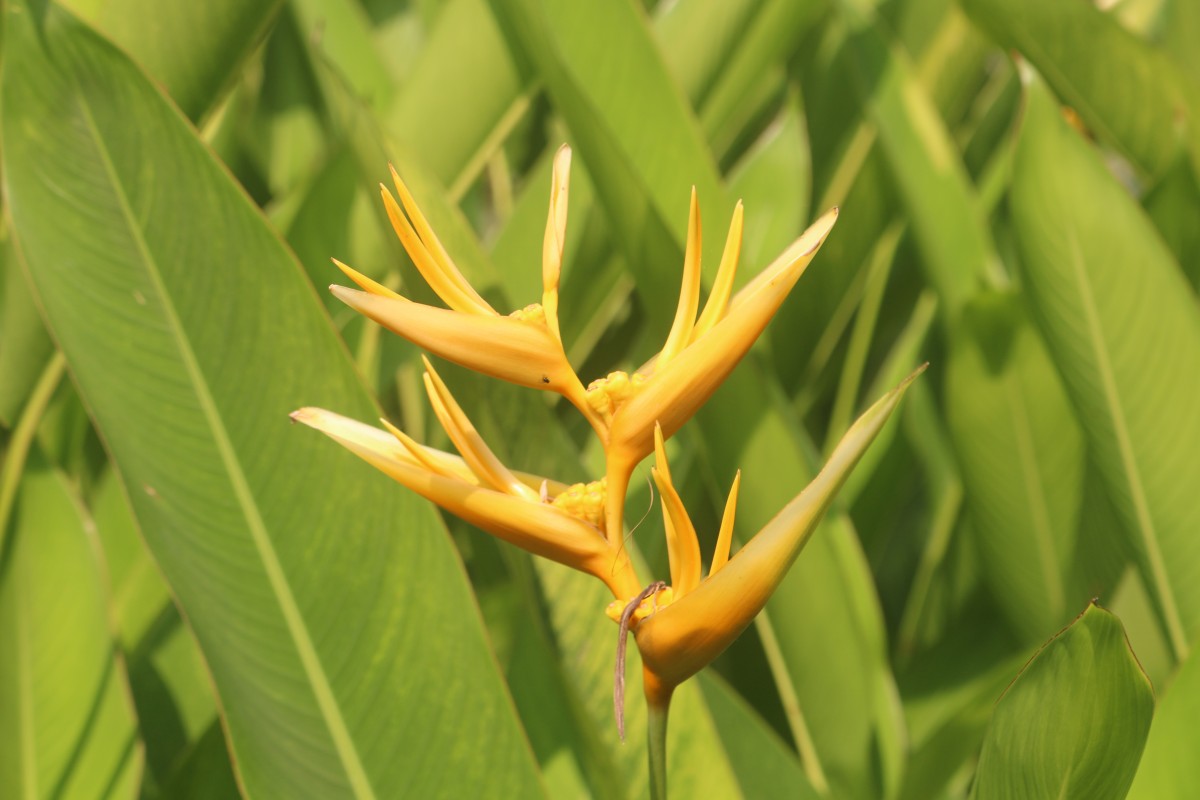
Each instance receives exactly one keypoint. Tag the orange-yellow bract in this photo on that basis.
(547, 518)
(678, 628)
(684, 627)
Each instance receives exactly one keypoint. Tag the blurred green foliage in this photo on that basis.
(197, 600)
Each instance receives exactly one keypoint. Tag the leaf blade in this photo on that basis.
(1041, 741)
(1121, 339)
(317, 625)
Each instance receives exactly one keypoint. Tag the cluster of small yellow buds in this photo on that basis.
(680, 627)
(533, 313)
(605, 395)
(584, 501)
(655, 602)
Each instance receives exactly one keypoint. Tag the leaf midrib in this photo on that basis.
(25, 713)
(305, 649)
(1116, 412)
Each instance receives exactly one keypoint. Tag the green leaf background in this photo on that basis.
(251, 612)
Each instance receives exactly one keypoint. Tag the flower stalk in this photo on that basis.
(678, 627)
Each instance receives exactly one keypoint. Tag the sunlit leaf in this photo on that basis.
(327, 603)
(1123, 328)
(1167, 770)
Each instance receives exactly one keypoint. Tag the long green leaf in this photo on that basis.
(464, 86)
(1123, 328)
(192, 49)
(1168, 771)
(947, 220)
(327, 604)
(643, 149)
(765, 766)
(24, 345)
(341, 31)
(1022, 456)
(171, 689)
(1073, 723)
(1129, 93)
(68, 728)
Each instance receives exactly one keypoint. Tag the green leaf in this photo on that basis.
(1022, 456)
(1180, 29)
(171, 689)
(68, 728)
(696, 40)
(947, 220)
(464, 88)
(643, 149)
(949, 695)
(774, 181)
(204, 772)
(138, 589)
(24, 346)
(765, 766)
(194, 50)
(1074, 722)
(327, 603)
(1168, 770)
(1123, 329)
(770, 39)
(1126, 91)
(573, 764)
(1174, 205)
(287, 121)
(340, 31)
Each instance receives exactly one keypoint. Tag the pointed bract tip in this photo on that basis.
(816, 233)
(306, 415)
(912, 376)
(344, 293)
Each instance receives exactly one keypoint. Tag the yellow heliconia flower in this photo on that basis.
(699, 353)
(547, 518)
(681, 628)
(524, 347)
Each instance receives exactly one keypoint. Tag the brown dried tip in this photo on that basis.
(622, 641)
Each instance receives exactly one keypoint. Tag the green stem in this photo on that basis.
(22, 436)
(656, 747)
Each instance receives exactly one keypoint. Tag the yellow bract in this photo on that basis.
(678, 628)
(547, 518)
(685, 632)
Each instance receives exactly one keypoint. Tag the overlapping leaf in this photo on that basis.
(1042, 740)
(327, 606)
(1123, 328)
